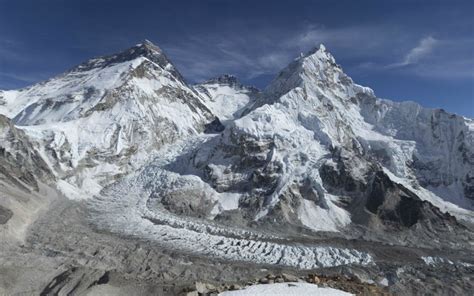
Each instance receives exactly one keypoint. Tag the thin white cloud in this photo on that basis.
(454, 69)
(266, 52)
(444, 59)
(358, 40)
(364, 49)
(423, 49)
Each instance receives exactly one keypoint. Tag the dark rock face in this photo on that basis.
(469, 186)
(392, 202)
(408, 212)
(376, 202)
(339, 179)
(398, 207)
(381, 184)
(20, 163)
(214, 127)
(5, 215)
(230, 80)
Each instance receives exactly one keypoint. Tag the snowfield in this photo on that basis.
(286, 289)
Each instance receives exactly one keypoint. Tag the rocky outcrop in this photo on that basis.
(20, 162)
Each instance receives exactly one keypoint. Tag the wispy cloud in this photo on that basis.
(27, 78)
(10, 53)
(9, 50)
(423, 49)
(363, 49)
(445, 59)
(266, 52)
(202, 57)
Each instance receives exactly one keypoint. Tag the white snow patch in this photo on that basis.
(286, 289)
(69, 190)
(384, 282)
(322, 219)
(433, 261)
(226, 202)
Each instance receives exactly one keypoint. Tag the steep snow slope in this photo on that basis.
(226, 96)
(104, 117)
(11, 103)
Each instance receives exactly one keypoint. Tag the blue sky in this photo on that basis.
(403, 49)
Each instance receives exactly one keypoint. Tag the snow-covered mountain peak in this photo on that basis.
(150, 45)
(94, 119)
(319, 53)
(149, 50)
(142, 70)
(146, 50)
(316, 68)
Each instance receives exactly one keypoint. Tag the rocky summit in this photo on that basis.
(120, 178)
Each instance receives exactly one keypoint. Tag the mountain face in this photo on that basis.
(312, 172)
(97, 121)
(317, 151)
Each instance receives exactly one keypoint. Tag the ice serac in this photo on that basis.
(103, 117)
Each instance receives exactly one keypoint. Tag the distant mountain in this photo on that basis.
(226, 96)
